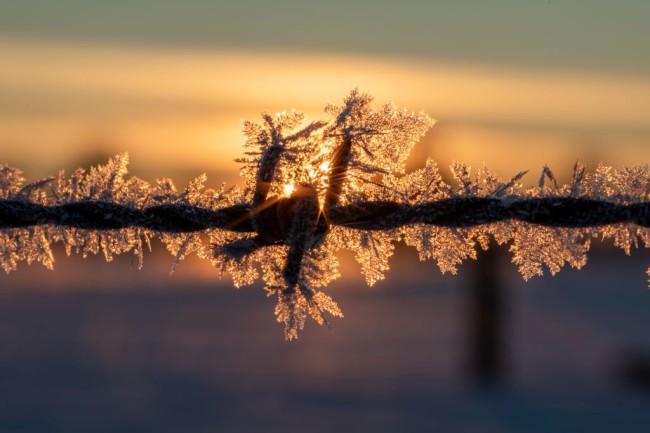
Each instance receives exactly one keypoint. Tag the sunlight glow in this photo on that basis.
(324, 167)
(319, 177)
(288, 189)
(66, 102)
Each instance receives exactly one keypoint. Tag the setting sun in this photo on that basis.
(288, 189)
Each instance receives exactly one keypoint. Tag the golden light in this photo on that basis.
(66, 102)
(324, 167)
(288, 189)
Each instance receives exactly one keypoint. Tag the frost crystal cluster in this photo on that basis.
(314, 189)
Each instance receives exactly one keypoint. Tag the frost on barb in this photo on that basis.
(293, 307)
(295, 304)
(320, 266)
(237, 255)
(280, 153)
(381, 139)
(368, 142)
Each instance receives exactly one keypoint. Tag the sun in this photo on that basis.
(288, 189)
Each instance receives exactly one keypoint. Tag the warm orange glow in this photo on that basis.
(324, 167)
(66, 102)
(288, 189)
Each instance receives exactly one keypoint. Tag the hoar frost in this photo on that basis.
(298, 176)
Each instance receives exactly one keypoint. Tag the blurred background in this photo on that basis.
(95, 346)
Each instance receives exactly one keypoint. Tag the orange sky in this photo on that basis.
(179, 111)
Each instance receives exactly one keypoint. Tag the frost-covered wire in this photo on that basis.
(314, 190)
(458, 212)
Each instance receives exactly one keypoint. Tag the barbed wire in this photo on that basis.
(373, 215)
(314, 190)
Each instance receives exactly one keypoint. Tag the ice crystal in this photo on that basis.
(534, 247)
(309, 188)
(10, 181)
(293, 308)
(448, 247)
(419, 186)
(381, 139)
(372, 250)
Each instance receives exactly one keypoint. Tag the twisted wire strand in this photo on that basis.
(373, 215)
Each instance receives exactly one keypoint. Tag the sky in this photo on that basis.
(170, 82)
(542, 34)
